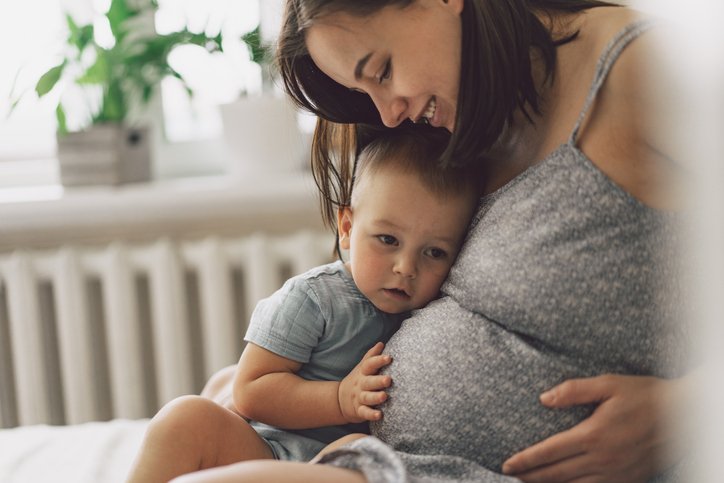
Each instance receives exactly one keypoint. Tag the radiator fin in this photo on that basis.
(97, 332)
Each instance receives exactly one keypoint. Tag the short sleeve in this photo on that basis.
(289, 323)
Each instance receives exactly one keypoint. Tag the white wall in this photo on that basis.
(694, 48)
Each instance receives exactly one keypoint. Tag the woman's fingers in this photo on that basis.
(575, 467)
(551, 450)
(574, 392)
(621, 441)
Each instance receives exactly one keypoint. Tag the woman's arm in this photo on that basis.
(628, 438)
(267, 389)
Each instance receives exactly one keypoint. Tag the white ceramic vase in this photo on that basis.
(263, 136)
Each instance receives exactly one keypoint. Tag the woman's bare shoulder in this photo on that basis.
(643, 87)
(600, 25)
(622, 137)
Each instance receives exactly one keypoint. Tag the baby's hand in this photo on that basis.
(363, 387)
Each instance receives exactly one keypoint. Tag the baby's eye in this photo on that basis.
(387, 239)
(436, 253)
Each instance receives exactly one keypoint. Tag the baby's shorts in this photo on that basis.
(288, 446)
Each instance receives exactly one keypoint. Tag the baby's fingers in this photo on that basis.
(375, 350)
(372, 365)
(369, 414)
(375, 383)
(372, 398)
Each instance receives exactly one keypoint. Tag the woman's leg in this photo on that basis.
(336, 444)
(277, 471)
(192, 433)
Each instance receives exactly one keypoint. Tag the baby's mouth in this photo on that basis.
(397, 293)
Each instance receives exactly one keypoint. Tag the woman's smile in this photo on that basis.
(380, 56)
(429, 112)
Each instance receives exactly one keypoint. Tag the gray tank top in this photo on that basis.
(563, 275)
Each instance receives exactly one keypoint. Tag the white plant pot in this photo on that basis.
(263, 136)
(105, 154)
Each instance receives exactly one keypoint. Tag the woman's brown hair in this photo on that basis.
(498, 38)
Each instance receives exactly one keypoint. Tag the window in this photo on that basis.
(29, 34)
(215, 79)
(36, 28)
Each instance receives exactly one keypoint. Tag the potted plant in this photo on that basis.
(116, 80)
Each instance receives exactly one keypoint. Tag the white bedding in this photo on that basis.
(85, 453)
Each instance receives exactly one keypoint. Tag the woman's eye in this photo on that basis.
(386, 72)
(387, 239)
(436, 253)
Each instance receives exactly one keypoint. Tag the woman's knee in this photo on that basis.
(335, 445)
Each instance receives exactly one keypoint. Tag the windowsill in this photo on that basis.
(28, 178)
(51, 214)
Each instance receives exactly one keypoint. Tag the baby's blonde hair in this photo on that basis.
(416, 150)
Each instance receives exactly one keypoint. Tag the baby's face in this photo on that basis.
(402, 240)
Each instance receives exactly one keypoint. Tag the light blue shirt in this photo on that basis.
(321, 319)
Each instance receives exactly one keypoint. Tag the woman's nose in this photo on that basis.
(392, 109)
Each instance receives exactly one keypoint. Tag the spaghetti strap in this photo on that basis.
(605, 62)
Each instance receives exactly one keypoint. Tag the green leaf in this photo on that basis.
(114, 103)
(73, 29)
(146, 94)
(48, 80)
(131, 70)
(13, 105)
(85, 37)
(80, 37)
(257, 50)
(96, 73)
(60, 116)
(118, 13)
(15, 99)
(217, 42)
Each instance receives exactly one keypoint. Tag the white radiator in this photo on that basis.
(115, 331)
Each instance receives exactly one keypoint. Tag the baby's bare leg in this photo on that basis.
(336, 444)
(192, 433)
(277, 471)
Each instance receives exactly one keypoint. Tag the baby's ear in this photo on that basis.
(344, 226)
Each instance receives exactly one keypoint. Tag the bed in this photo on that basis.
(93, 452)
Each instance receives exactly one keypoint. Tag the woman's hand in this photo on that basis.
(626, 439)
(363, 387)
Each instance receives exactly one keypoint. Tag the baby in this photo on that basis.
(309, 373)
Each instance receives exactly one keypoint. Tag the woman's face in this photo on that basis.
(406, 59)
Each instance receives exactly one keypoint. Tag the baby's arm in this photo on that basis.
(267, 389)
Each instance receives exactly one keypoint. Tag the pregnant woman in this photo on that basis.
(565, 286)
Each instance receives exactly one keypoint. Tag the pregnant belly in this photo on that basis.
(463, 386)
